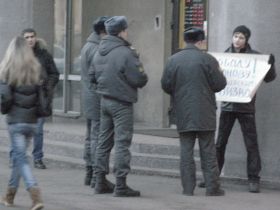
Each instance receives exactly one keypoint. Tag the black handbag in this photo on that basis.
(44, 103)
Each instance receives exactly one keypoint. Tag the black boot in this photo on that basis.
(218, 192)
(103, 185)
(122, 190)
(93, 181)
(201, 184)
(88, 175)
(39, 164)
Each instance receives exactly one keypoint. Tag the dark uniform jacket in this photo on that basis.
(246, 107)
(192, 77)
(117, 70)
(21, 103)
(88, 89)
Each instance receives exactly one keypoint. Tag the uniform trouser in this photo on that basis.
(117, 119)
(91, 140)
(92, 132)
(208, 160)
(248, 128)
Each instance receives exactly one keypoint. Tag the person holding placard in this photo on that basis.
(244, 113)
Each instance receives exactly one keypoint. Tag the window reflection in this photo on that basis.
(76, 37)
(60, 33)
(67, 95)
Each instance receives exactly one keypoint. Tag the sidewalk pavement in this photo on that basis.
(63, 189)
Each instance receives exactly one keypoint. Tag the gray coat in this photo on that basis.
(117, 70)
(192, 77)
(89, 94)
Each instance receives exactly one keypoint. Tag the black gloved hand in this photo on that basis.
(271, 59)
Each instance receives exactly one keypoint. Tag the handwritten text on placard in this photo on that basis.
(244, 73)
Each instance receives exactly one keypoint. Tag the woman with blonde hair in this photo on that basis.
(19, 81)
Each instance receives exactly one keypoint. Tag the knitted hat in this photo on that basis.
(98, 24)
(244, 30)
(194, 34)
(115, 25)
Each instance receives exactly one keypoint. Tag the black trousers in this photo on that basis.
(208, 160)
(248, 128)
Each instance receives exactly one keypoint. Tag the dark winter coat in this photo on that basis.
(50, 74)
(117, 70)
(246, 107)
(22, 103)
(192, 77)
(89, 89)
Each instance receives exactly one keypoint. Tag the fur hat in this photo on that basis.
(194, 34)
(98, 24)
(244, 30)
(115, 25)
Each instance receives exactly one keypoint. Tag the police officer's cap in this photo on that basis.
(194, 34)
(98, 24)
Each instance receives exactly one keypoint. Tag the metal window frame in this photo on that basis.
(66, 77)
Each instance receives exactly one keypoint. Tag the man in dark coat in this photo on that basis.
(245, 113)
(91, 99)
(192, 77)
(50, 78)
(118, 74)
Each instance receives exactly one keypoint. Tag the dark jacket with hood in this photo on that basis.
(246, 107)
(89, 94)
(19, 103)
(50, 74)
(117, 70)
(192, 77)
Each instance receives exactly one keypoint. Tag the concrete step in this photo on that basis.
(156, 155)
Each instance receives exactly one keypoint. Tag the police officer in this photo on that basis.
(118, 74)
(91, 99)
(192, 77)
(245, 113)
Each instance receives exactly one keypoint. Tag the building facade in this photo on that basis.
(155, 28)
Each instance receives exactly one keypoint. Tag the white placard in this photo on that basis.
(244, 74)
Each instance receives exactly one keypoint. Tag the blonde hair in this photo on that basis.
(19, 65)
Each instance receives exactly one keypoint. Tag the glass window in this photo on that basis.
(58, 96)
(75, 99)
(193, 13)
(67, 47)
(59, 36)
(76, 37)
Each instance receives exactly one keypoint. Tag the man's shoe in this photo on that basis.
(126, 192)
(201, 184)
(254, 187)
(88, 176)
(122, 190)
(39, 164)
(93, 182)
(103, 186)
(218, 192)
(187, 193)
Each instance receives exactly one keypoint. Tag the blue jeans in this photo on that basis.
(20, 135)
(38, 140)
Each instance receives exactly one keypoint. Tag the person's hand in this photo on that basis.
(271, 59)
